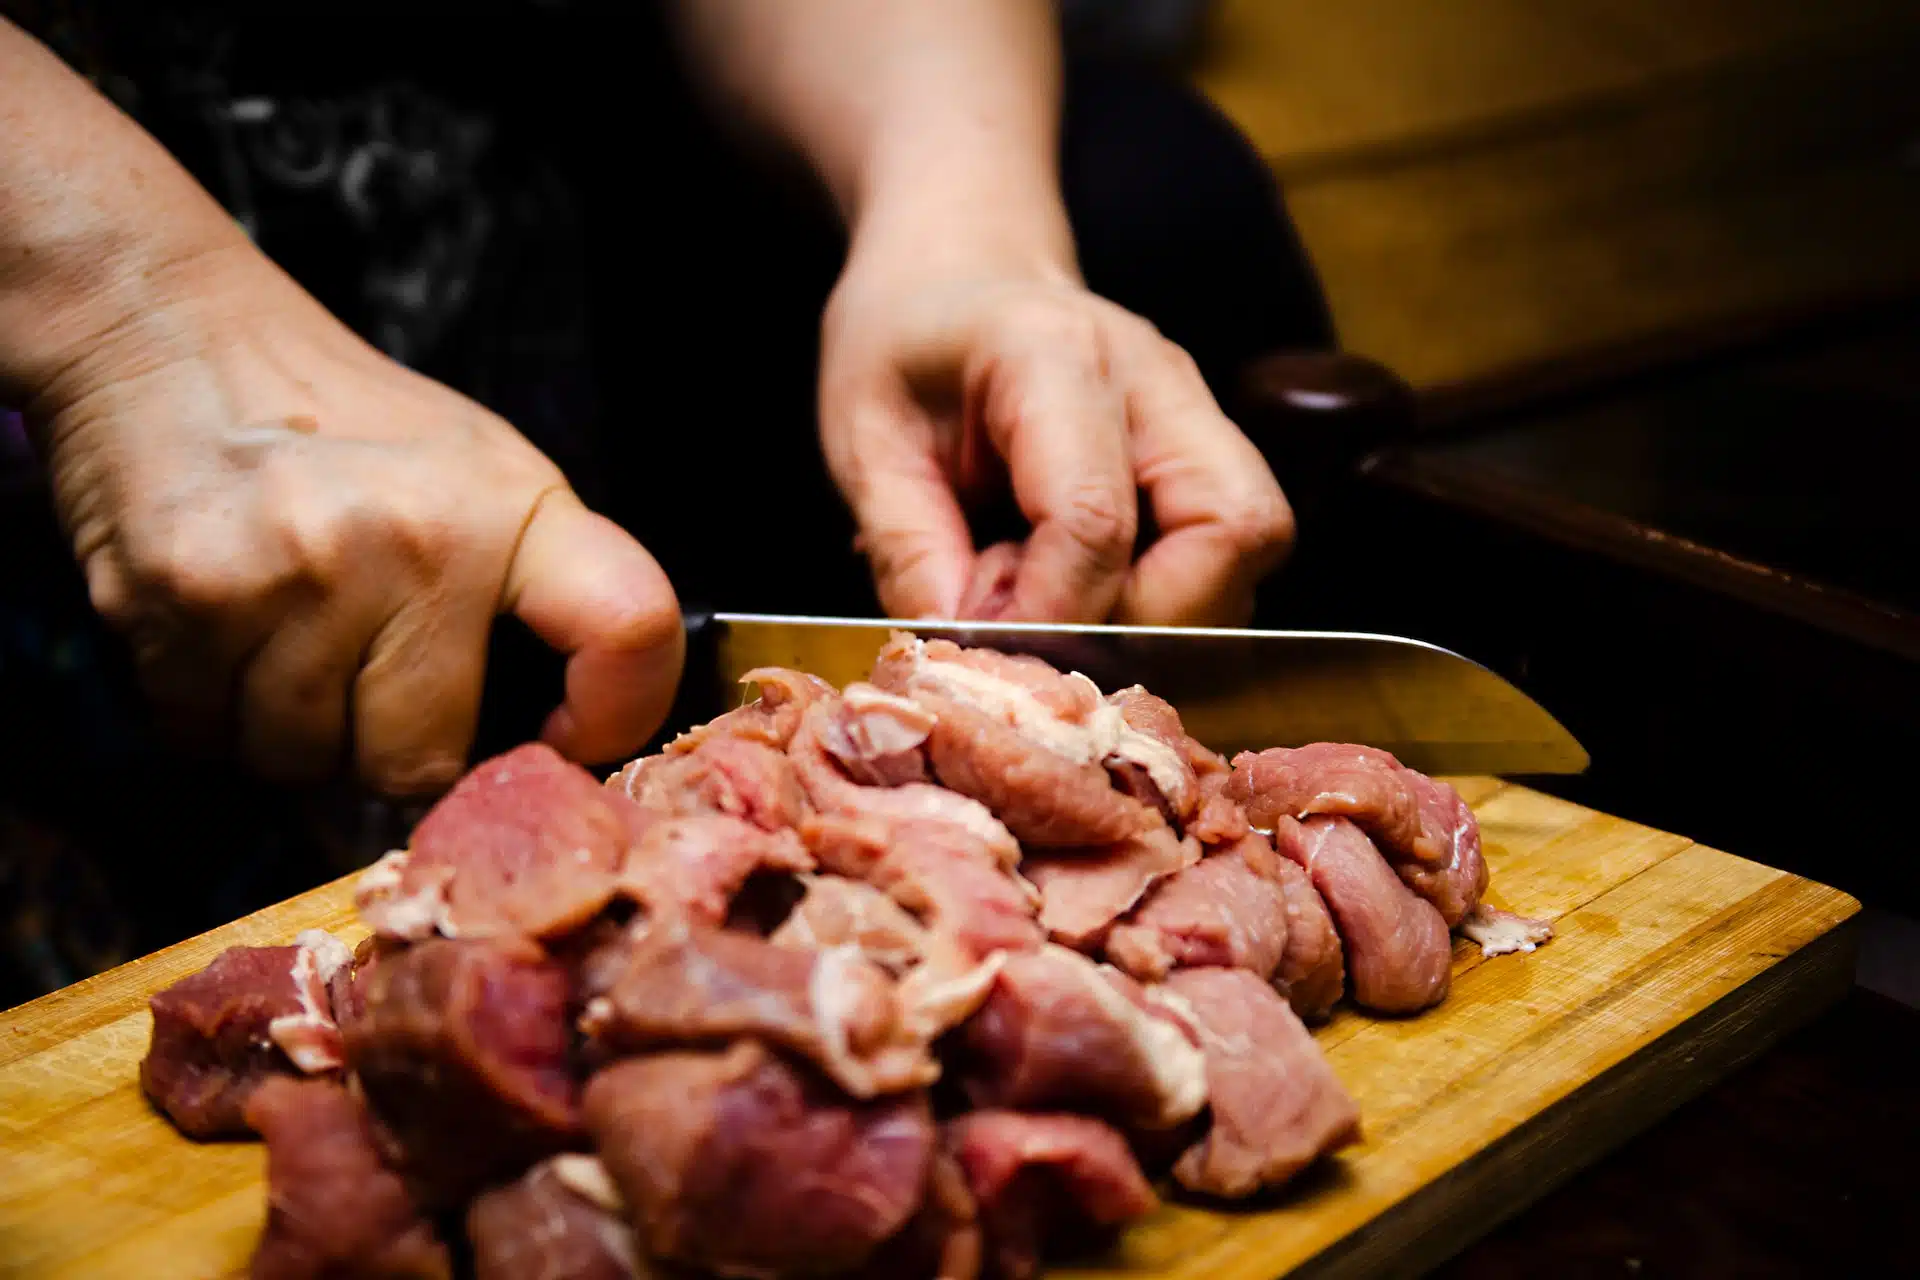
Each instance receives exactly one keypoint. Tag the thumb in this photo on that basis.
(583, 585)
(912, 530)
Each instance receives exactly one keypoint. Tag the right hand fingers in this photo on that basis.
(588, 589)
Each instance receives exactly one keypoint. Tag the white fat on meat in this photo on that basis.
(834, 997)
(311, 1038)
(1017, 707)
(1179, 1069)
(407, 916)
(584, 1176)
(905, 725)
(1162, 763)
(1501, 932)
(934, 998)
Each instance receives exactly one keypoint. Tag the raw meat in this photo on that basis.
(838, 912)
(1022, 739)
(683, 984)
(1044, 1179)
(1398, 955)
(877, 737)
(462, 1052)
(833, 792)
(1083, 891)
(333, 1210)
(942, 1239)
(1220, 820)
(527, 843)
(1421, 824)
(694, 866)
(1228, 909)
(1058, 1031)
(1313, 969)
(1275, 1104)
(769, 719)
(1501, 932)
(563, 1220)
(738, 1161)
(1153, 748)
(944, 874)
(736, 776)
(253, 1013)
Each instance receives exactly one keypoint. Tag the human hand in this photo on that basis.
(941, 377)
(307, 543)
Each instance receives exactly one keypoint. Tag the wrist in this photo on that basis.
(940, 212)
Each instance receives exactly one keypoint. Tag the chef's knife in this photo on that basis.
(1237, 690)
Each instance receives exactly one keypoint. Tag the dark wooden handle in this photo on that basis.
(1316, 415)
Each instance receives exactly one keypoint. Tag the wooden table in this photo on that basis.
(1673, 964)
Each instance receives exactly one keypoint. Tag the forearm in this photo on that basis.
(933, 123)
(96, 219)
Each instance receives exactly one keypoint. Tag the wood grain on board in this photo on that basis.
(1674, 962)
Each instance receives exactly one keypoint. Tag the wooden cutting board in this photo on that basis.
(1674, 963)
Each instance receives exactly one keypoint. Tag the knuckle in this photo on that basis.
(1258, 523)
(1102, 520)
(1056, 323)
(642, 625)
(411, 773)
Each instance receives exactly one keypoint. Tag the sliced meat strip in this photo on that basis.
(1028, 692)
(527, 843)
(1275, 1104)
(562, 1220)
(1501, 932)
(1421, 824)
(741, 1162)
(1399, 957)
(1045, 1180)
(333, 1209)
(1058, 1031)
(947, 876)
(1083, 891)
(833, 792)
(739, 777)
(677, 983)
(694, 866)
(1229, 909)
(1313, 970)
(462, 1051)
(255, 1012)
(769, 719)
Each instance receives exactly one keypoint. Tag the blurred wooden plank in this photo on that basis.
(1490, 186)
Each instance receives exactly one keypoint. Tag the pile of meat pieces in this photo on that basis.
(928, 976)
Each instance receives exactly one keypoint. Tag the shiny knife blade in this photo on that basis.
(1237, 690)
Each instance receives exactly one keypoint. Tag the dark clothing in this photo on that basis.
(540, 212)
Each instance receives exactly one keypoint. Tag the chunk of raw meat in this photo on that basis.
(683, 984)
(1058, 1031)
(1083, 891)
(1276, 1106)
(527, 843)
(1398, 954)
(739, 777)
(1154, 748)
(462, 1052)
(1042, 1180)
(1422, 825)
(253, 1013)
(1219, 820)
(333, 1209)
(833, 792)
(1501, 932)
(769, 719)
(942, 1239)
(1313, 970)
(741, 1162)
(1023, 739)
(836, 912)
(1229, 909)
(694, 866)
(564, 1220)
(944, 874)
(877, 738)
